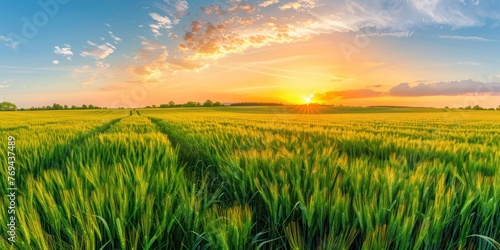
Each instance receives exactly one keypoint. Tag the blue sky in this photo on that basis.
(134, 53)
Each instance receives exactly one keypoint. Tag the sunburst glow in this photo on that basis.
(309, 99)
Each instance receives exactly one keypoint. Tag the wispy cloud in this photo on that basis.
(98, 52)
(248, 8)
(65, 51)
(4, 84)
(88, 75)
(180, 8)
(162, 22)
(466, 38)
(268, 2)
(299, 5)
(9, 42)
(398, 34)
(30, 70)
(450, 13)
(214, 9)
(55, 62)
(115, 38)
(469, 63)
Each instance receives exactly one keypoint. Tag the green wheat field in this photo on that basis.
(253, 178)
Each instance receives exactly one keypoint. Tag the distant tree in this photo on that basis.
(154, 106)
(57, 106)
(191, 104)
(477, 107)
(148, 107)
(208, 103)
(498, 107)
(217, 104)
(468, 107)
(446, 107)
(74, 107)
(65, 106)
(84, 106)
(91, 106)
(171, 103)
(164, 106)
(7, 106)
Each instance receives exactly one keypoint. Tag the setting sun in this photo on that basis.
(309, 99)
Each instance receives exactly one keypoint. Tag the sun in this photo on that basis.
(309, 98)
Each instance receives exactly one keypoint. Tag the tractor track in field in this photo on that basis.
(65, 149)
(189, 153)
(186, 151)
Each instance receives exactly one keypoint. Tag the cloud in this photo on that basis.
(102, 65)
(268, 2)
(398, 34)
(293, 5)
(299, 5)
(248, 8)
(64, 51)
(466, 38)
(181, 7)
(445, 12)
(469, 63)
(162, 22)
(55, 62)
(98, 52)
(88, 75)
(149, 49)
(452, 88)
(155, 63)
(393, 18)
(246, 21)
(214, 9)
(9, 42)
(4, 85)
(117, 39)
(206, 40)
(85, 74)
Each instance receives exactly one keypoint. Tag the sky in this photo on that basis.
(124, 53)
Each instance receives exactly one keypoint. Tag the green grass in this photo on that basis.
(255, 178)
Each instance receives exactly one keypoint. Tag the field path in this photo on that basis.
(62, 151)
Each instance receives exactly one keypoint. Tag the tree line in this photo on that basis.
(476, 107)
(172, 104)
(57, 106)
